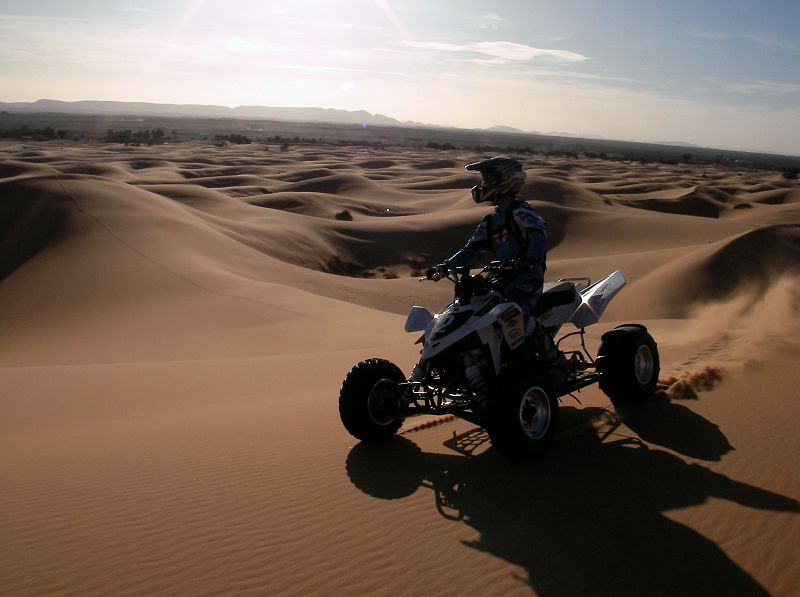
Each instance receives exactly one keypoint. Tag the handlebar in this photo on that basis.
(452, 274)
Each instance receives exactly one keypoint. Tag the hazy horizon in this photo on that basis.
(720, 74)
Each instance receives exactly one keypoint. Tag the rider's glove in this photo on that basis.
(523, 264)
(436, 272)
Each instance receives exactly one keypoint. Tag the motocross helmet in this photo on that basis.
(500, 176)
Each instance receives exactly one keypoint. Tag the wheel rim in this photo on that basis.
(534, 413)
(644, 364)
(382, 403)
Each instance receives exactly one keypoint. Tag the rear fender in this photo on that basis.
(595, 299)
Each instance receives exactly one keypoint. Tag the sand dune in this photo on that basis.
(177, 321)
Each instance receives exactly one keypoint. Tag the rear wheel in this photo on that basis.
(369, 400)
(526, 417)
(628, 359)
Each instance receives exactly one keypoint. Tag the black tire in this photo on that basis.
(628, 359)
(525, 416)
(369, 400)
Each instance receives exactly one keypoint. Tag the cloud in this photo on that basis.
(501, 52)
(763, 40)
(356, 27)
(316, 69)
(491, 16)
(251, 46)
(489, 20)
(761, 87)
(708, 34)
(512, 51)
(773, 42)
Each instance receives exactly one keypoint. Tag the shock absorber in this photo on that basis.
(473, 374)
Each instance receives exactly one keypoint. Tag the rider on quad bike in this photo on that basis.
(514, 232)
(491, 356)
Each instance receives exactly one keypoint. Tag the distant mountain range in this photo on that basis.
(328, 115)
(206, 111)
(285, 114)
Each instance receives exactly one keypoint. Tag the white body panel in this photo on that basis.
(495, 324)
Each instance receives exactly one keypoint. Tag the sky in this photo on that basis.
(714, 73)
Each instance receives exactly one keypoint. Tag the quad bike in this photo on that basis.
(477, 363)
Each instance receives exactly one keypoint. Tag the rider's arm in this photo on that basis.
(535, 231)
(477, 246)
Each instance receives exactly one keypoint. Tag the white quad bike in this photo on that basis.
(477, 363)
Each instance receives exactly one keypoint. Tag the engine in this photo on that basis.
(463, 369)
(468, 366)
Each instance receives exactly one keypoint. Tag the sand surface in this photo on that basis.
(176, 322)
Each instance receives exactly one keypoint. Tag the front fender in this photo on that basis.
(419, 320)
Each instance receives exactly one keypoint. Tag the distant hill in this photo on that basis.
(500, 128)
(205, 111)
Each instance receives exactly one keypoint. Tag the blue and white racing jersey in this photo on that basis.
(513, 231)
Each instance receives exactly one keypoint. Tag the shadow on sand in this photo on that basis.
(587, 519)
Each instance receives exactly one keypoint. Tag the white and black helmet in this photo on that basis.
(500, 175)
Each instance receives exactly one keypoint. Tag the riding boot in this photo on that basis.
(543, 345)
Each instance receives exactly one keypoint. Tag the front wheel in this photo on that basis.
(369, 400)
(525, 418)
(628, 359)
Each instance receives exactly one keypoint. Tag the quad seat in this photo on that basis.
(555, 295)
